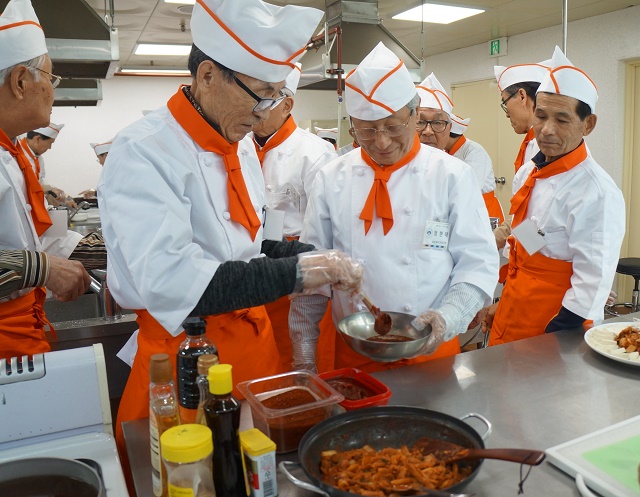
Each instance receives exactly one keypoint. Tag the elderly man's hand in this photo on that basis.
(488, 313)
(67, 279)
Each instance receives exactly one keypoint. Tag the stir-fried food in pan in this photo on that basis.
(389, 472)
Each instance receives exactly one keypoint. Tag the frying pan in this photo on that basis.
(380, 427)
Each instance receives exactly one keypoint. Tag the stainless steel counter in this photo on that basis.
(537, 393)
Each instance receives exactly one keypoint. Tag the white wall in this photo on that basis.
(599, 45)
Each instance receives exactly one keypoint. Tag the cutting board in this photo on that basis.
(607, 459)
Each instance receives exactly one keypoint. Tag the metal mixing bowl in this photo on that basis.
(356, 328)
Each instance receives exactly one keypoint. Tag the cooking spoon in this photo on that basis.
(382, 324)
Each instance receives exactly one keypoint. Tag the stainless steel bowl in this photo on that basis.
(356, 328)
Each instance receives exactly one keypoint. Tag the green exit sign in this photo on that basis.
(498, 47)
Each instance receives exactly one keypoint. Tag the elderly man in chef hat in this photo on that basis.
(290, 157)
(568, 218)
(412, 214)
(329, 134)
(182, 201)
(26, 99)
(101, 150)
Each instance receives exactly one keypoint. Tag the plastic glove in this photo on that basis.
(611, 299)
(333, 267)
(438, 330)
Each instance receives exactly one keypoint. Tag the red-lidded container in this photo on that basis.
(359, 389)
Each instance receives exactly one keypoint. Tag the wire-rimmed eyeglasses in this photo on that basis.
(437, 126)
(392, 130)
(503, 104)
(55, 80)
(263, 103)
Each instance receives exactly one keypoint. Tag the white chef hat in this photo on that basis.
(458, 124)
(253, 37)
(51, 131)
(21, 36)
(521, 73)
(101, 148)
(380, 86)
(327, 133)
(565, 79)
(433, 95)
(291, 83)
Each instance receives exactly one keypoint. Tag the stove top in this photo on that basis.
(99, 447)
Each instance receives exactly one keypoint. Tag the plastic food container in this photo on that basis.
(359, 389)
(285, 406)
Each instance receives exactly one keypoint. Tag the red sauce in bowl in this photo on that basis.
(350, 388)
(389, 338)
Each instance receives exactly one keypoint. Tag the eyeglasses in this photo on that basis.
(55, 80)
(391, 131)
(263, 103)
(504, 103)
(437, 126)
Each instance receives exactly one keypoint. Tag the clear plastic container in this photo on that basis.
(186, 453)
(285, 406)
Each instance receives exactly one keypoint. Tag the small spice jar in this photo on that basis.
(186, 453)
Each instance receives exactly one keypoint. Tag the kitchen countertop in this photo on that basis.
(537, 393)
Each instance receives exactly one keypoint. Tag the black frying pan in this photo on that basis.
(379, 427)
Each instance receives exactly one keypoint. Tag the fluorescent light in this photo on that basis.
(157, 71)
(183, 2)
(157, 49)
(438, 14)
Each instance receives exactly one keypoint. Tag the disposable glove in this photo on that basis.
(332, 267)
(438, 330)
(611, 299)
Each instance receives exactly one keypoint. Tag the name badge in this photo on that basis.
(528, 235)
(294, 195)
(273, 225)
(436, 235)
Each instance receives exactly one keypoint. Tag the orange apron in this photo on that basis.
(532, 295)
(346, 357)
(22, 322)
(493, 205)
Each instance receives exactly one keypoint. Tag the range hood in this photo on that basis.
(81, 46)
(360, 31)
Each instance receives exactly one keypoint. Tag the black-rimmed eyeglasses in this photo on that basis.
(370, 133)
(263, 103)
(437, 126)
(55, 80)
(503, 104)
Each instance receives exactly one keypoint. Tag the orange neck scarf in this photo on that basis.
(523, 148)
(276, 139)
(520, 201)
(27, 149)
(240, 206)
(457, 145)
(35, 195)
(379, 195)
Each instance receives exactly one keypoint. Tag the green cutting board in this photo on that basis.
(619, 460)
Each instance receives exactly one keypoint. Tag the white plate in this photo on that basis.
(602, 339)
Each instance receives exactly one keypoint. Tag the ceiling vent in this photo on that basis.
(360, 31)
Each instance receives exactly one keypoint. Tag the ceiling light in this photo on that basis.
(183, 2)
(154, 71)
(439, 14)
(156, 49)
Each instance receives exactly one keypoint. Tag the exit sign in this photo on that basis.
(498, 47)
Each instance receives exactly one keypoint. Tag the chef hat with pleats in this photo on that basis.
(253, 37)
(327, 133)
(521, 73)
(433, 95)
(565, 79)
(458, 124)
(21, 36)
(51, 131)
(101, 148)
(291, 83)
(380, 86)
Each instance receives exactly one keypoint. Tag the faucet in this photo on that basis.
(73, 212)
(109, 308)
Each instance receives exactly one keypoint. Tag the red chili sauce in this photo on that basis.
(351, 388)
(389, 338)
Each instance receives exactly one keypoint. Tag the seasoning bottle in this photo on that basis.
(186, 453)
(205, 361)
(222, 412)
(259, 453)
(163, 414)
(195, 344)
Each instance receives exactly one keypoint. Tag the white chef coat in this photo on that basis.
(531, 150)
(346, 149)
(474, 154)
(165, 217)
(288, 171)
(582, 215)
(400, 274)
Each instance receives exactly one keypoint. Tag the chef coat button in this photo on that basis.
(406, 261)
(407, 307)
(553, 183)
(208, 161)
(28, 207)
(269, 188)
(6, 158)
(226, 215)
(256, 208)
(408, 211)
(360, 172)
(360, 261)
